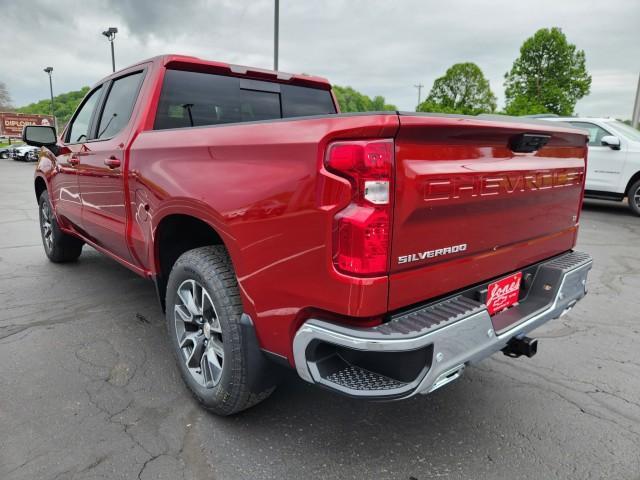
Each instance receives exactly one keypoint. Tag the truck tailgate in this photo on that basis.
(470, 205)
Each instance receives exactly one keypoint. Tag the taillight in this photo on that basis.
(362, 230)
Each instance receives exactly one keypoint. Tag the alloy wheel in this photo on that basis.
(46, 225)
(636, 197)
(197, 328)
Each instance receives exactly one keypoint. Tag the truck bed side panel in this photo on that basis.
(258, 185)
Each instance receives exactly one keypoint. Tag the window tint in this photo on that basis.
(302, 101)
(595, 132)
(79, 130)
(117, 109)
(196, 99)
(256, 105)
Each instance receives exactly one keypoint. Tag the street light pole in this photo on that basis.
(276, 26)
(49, 70)
(110, 33)
(113, 57)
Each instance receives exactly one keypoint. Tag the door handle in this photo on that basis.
(112, 162)
(74, 160)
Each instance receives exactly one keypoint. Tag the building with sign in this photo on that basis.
(12, 123)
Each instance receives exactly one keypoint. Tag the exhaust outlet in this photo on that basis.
(519, 346)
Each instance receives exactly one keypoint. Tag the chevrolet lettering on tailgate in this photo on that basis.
(499, 184)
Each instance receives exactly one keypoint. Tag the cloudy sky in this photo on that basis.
(378, 47)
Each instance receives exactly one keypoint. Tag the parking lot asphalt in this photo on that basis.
(89, 389)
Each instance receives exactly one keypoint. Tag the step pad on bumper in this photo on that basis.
(358, 378)
(569, 261)
(437, 315)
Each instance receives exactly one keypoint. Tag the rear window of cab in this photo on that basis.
(194, 99)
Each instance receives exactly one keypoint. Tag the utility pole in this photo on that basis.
(48, 71)
(110, 33)
(635, 120)
(276, 26)
(419, 86)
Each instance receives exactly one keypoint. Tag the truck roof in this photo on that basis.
(187, 62)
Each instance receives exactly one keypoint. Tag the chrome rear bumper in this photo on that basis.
(434, 343)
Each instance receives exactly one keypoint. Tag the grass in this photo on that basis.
(13, 144)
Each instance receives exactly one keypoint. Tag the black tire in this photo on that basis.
(633, 196)
(59, 246)
(245, 377)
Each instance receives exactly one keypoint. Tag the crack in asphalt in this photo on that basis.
(115, 416)
(545, 387)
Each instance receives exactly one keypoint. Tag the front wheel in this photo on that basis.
(214, 343)
(58, 246)
(634, 198)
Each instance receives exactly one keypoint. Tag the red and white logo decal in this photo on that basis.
(503, 293)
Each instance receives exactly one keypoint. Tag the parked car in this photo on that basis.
(613, 169)
(378, 254)
(24, 153)
(4, 152)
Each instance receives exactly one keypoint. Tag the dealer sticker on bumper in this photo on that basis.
(503, 293)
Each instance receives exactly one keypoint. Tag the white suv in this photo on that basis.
(613, 166)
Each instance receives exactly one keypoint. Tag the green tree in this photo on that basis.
(5, 98)
(549, 76)
(65, 104)
(463, 89)
(351, 100)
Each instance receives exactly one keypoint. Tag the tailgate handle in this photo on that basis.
(528, 142)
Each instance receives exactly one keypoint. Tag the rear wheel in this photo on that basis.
(634, 198)
(58, 246)
(217, 353)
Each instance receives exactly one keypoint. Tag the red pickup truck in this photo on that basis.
(378, 254)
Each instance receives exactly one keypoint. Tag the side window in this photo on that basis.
(595, 132)
(119, 105)
(79, 129)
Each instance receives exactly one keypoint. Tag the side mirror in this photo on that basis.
(40, 136)
(610, 141)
